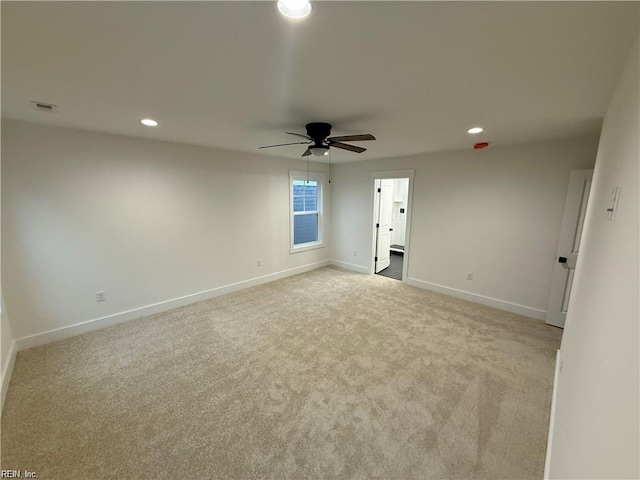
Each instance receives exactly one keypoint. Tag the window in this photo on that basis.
(306, 211)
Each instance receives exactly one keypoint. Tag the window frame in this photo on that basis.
(316, 177)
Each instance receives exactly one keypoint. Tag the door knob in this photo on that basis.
(562, 259)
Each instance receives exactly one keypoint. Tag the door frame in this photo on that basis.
(384, 175)
(571, 229)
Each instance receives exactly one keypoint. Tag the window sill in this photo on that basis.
(305, 247)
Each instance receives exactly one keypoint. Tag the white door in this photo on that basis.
(384, 196)
(568, 246)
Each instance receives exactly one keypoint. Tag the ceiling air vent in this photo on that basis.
(44, 106)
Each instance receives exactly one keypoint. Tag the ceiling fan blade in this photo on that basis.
(353, 138)
(299, 135)
(283, 144)
(306, 153)
(346, 146)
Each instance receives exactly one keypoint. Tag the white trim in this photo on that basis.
(109, 320)
(304, 247)
(349, 266)
(384, 174)
(7, 371)
(320, 178)
(481, 299)
(410, 174)
(552, 415)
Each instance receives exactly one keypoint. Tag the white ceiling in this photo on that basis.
(236, 75)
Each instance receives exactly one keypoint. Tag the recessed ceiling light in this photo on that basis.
(294, 8)
(148, 122)
(475, 130)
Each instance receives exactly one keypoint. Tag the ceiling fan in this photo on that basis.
(319, 140)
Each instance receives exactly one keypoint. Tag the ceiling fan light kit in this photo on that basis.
(319, 151)
(320, 142)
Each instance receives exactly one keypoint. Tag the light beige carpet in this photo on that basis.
(324, 375)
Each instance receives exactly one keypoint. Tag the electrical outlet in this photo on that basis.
(469, 275)
(100, 297)
(259, 263)
(355, 253)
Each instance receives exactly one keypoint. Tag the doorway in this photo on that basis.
(391, 209)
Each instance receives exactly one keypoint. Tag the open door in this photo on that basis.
(384, 199)
(568, 246)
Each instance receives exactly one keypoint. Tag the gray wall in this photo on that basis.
(595, 431)
(144, 221)
(495, 212)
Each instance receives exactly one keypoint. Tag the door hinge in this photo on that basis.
(377, 225)
(375, 259)
(379, 190)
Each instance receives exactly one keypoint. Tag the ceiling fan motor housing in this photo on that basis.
(318, 131)
(319, 141)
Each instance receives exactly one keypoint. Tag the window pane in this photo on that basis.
(311, 199)
(305, 228)
(305, 195)
(298, 196)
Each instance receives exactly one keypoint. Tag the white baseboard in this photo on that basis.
(552, 414)
(109, 320)
(349, 266)
(7, 371)
(481, 299)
